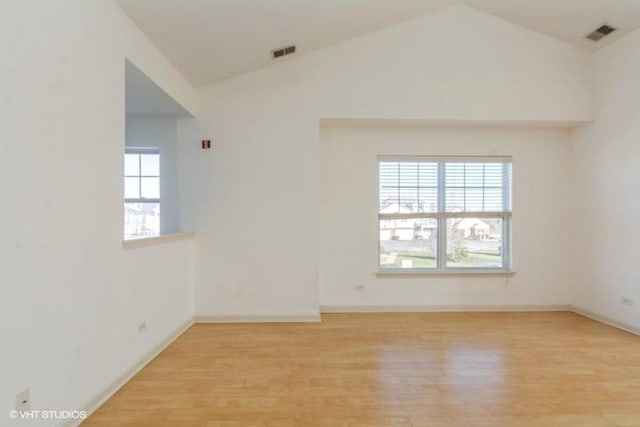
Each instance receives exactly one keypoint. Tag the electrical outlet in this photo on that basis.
(359, 287)
(626, 301)
(142, 327)
(23, 400)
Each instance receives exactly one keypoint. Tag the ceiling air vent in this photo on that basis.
(280, 52)
(600, 33)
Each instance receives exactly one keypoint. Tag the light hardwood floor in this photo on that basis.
(405, 369)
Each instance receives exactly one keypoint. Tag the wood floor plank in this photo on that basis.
(400, 369)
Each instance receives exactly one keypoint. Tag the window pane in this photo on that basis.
(141, 220)
(493, 200)
(428, 199)
(150, 164)
(408, 243)
(388, 191)
(150, 188)
(474, 242)
(455, 174)
(428, 187)
(131, 165)
(132, 188)
(474, 198)
(455, 199)
(493, 174)
(477, 187)
(407, 187)
(408, 200)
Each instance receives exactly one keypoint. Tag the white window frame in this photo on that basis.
(441, 215)
(142, 150)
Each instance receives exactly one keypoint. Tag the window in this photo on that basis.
(444, 213)
(141, 193)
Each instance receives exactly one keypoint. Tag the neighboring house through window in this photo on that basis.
(444, 213)
(141, 192)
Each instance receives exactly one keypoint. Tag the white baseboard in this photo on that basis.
(606, 320)
(266, 318)
(437, 308)
(96, 401)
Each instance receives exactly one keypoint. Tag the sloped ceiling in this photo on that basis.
(568, 20)
(209, 40)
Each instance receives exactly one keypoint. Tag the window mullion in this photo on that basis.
(506, 243)
(506, 222)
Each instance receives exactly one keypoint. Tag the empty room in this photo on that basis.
(239, 213)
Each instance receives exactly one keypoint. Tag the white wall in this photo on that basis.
(71, 298)
(254, 198)
(607, 177)
(349, 220)
(160, 132)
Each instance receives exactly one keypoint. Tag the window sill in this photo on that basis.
(152, 241)
(465, 272)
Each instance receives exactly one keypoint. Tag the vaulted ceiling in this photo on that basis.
(209, 40)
